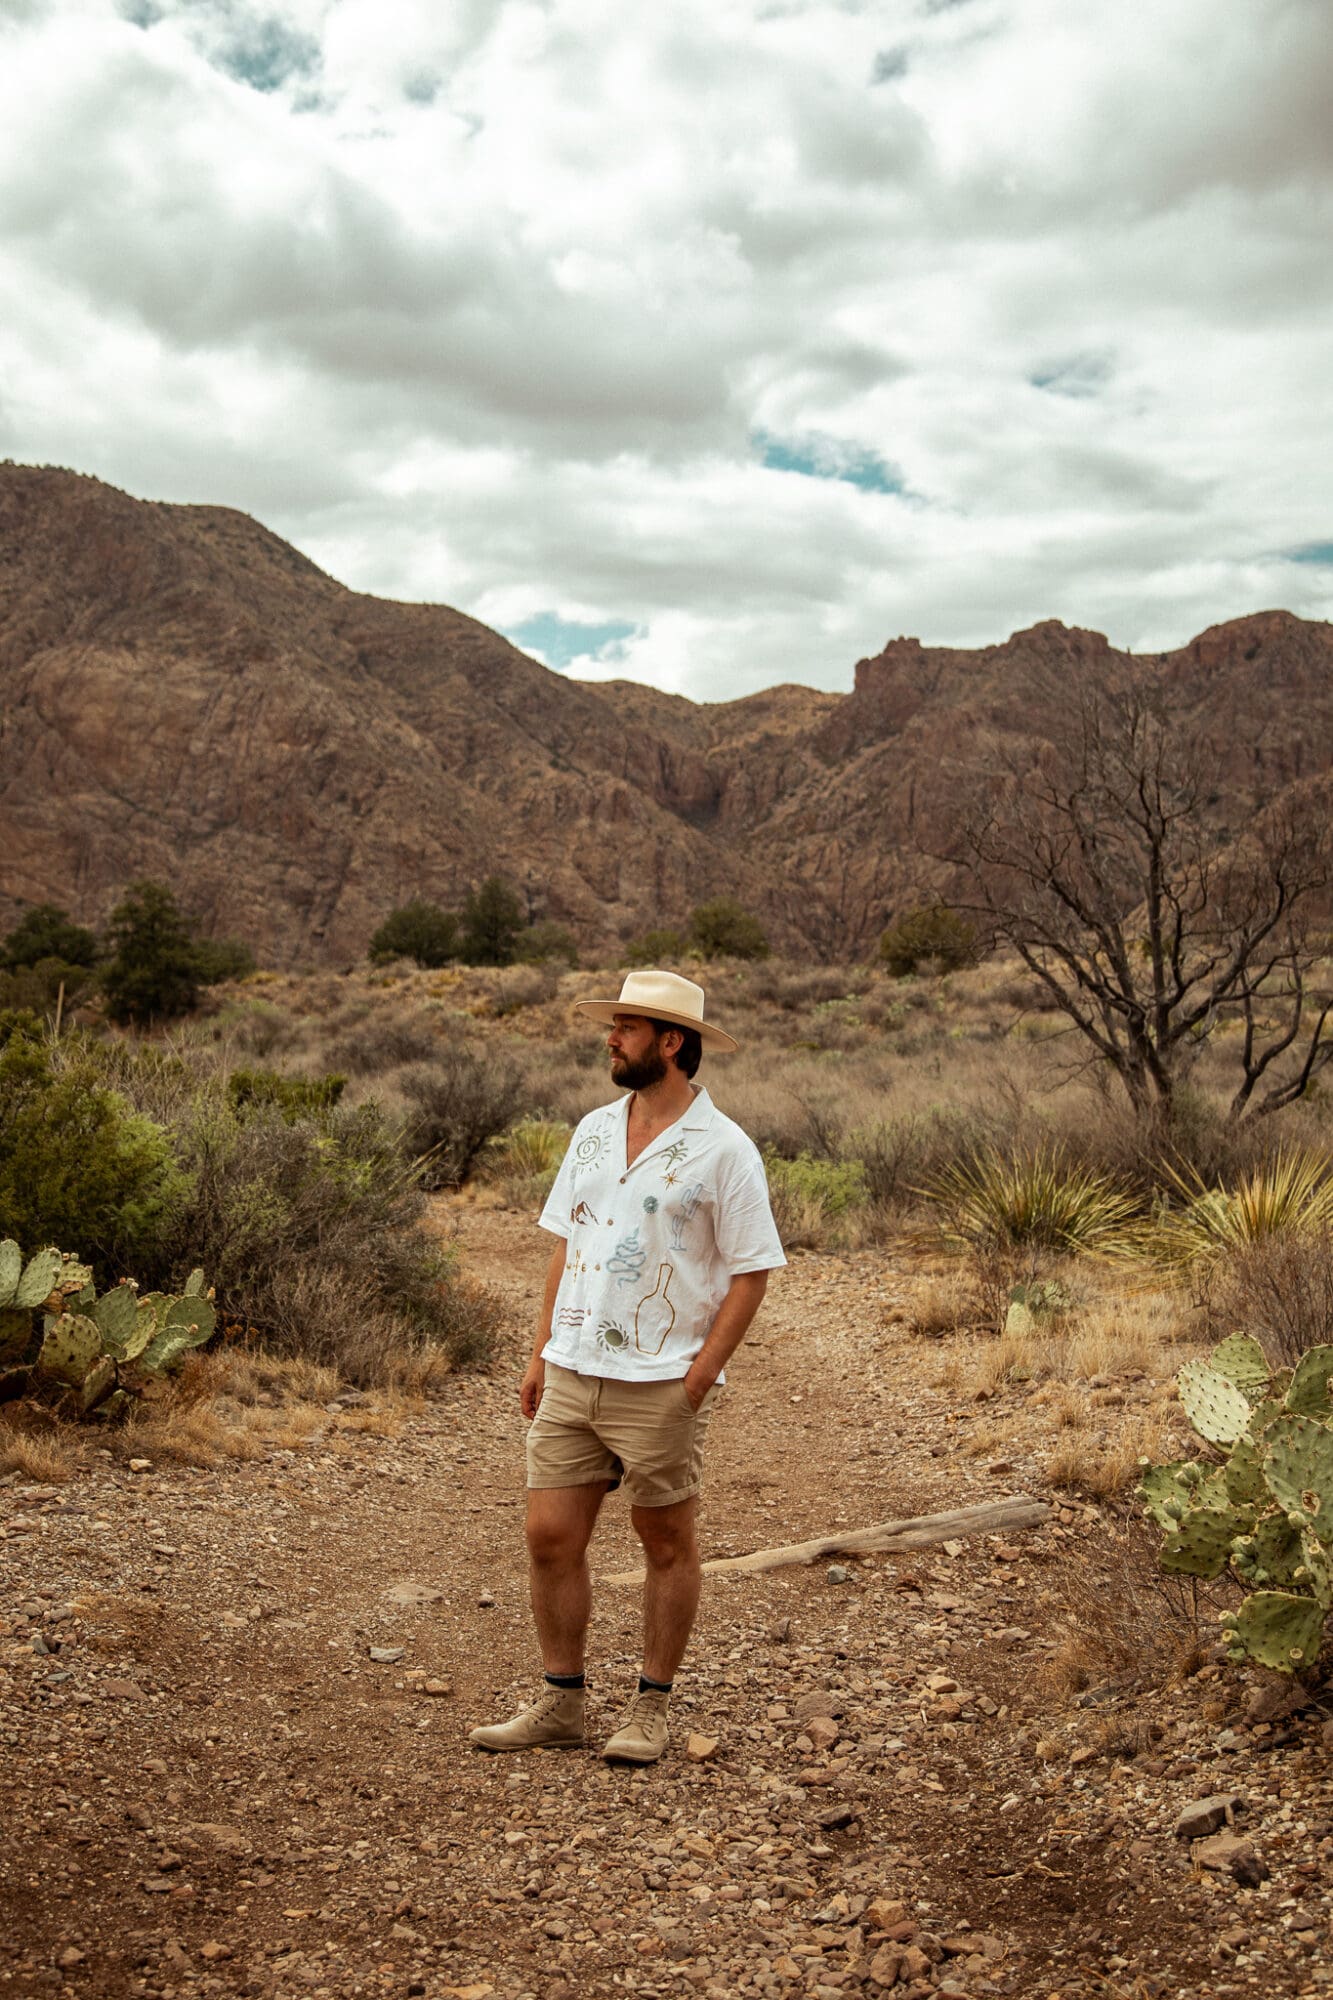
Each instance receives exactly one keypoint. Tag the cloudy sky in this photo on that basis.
(709, 344)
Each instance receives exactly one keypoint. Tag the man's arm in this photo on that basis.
(534, 1376)
(744, 1297)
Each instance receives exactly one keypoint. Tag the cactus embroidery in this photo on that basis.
(684, 1214)
(655, 1315)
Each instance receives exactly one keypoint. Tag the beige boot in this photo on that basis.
(555, 1718)
(643, 1734)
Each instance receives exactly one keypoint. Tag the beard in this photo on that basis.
(640, 1075)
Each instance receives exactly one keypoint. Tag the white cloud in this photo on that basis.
(504, 302)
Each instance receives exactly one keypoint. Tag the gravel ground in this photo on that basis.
(214, 1788)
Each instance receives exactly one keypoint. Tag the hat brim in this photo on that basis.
(605, 1012)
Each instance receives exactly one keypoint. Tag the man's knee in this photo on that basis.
(668, 1535)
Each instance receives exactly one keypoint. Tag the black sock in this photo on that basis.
(654, 1687)
(566, 1680)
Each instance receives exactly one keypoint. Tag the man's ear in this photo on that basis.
(672, 1042)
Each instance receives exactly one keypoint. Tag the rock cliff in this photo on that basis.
(186, 696)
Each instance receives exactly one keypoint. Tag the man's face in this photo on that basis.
(637, 1061)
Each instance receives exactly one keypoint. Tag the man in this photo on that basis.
(667, 1240)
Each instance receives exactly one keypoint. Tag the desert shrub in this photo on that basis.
(546, 943)
(520, 986)
(381, 1041)
(46, 932)
(295, 1097)
(799, 988)
(1038, 1200)
(1280, 1288)
(933, 936)
(809, 1194)
(309, 1232)
(257, 1026)
(455, 1104)
(492, 920)
(418, 930)
(78, 1166)
(725, 929)
(216, 959)
(899, 1154)
(1291, 1196)
(655, 947)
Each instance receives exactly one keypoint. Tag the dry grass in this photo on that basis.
(41, 1457)
(1109, 1470)
(1120, 1621)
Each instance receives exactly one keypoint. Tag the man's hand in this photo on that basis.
(530, 1388)
(696, 1384)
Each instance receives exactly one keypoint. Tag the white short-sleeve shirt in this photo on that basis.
(652, 1248)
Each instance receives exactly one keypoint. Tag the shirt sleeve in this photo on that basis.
(746, 1234)
(555, 1214)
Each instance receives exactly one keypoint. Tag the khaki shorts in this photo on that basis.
(589, 1428)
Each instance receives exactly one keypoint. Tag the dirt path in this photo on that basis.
(214, 1789)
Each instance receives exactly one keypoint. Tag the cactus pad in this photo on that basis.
(1276, 1548)
(1298, 1468)
(1212, 1402)
(39, 1279)
(72, 1345)
(97, 1383)
(1309, 1395)
(1278, 1630)
(1241, 1359)
(1160, 1484)
(1243, 1474)
(1200, 1544)
(116, 1315)
(187, 1322)
(11, 1270)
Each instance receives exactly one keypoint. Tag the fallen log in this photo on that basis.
(988, 1517)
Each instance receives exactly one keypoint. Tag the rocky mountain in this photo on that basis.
(186, 696)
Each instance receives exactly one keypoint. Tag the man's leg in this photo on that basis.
(560, 1524)
(671, 1591)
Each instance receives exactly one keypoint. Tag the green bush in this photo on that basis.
(1040, 1200)
(934, 935)
(46, 932)
(420, 931)
(492, 920)
(546, 943)
(310, 1232)
(724, 929)
(296, 1097)
(809, 1195)
(36, 988)
(77, 1166)
(216, 959)
(658, 948)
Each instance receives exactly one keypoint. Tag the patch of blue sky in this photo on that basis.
(562, 642)
(816, 456)
(1075, 375)
(1310, 552)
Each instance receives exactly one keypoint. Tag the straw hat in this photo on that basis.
(661, 996)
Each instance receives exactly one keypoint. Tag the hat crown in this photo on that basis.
(657, 993)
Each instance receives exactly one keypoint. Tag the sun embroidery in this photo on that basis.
(612, 1338)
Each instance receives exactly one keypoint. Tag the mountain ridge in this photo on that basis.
(188, 696)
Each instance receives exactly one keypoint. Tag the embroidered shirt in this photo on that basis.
(652, 1248)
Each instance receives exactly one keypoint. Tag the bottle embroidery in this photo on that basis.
(655, 1315)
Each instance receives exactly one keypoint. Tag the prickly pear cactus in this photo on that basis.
(1241, 1359)
(1277, 1629)
(1309, 1394)
(1218, 1410)
(1266, 1512)
(57, 1335)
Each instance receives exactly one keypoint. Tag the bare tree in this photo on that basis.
(1098, 864)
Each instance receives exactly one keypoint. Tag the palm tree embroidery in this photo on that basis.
(654, 1316)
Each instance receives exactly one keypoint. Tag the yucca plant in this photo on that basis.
(1291, 1196)
(529, 1152)
(1040, 1200)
